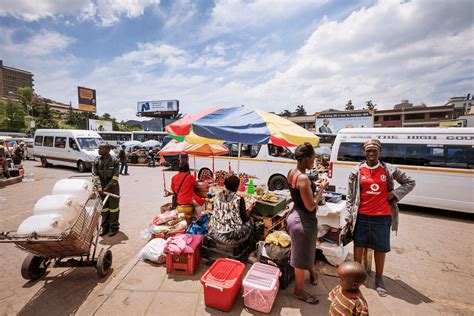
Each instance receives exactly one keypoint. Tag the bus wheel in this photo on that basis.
(175, 165)
(277, 182)
(44, 162)
(81, 166)
(204, 174)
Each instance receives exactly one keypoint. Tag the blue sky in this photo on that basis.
(271, 55)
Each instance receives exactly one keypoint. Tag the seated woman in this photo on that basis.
(230, 222)
(183, 185)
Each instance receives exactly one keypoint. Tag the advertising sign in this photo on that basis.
(100, 125)
(332, 122)
(87, 101)
(157, 108)
(455, 123)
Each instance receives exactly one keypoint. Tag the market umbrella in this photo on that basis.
(132, 143)
(243, 125)
(151, 143)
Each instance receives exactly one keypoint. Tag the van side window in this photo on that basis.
(60, 142)
(246, 150)
(72, 142)
(278, 151)
(433, 156)
(39, 141)
(401, 154)
(470, 157)
(456, 156)
(48, 141)
(350, 152)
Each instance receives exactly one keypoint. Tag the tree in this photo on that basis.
(47, 118)
(12, 117)
(370, 105)
(300, 111)
(349, 106)
(286, 113)
(26, 96)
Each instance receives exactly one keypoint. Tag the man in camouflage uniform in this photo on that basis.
(105, 173)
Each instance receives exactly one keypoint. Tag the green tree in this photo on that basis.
(26, 96)
(12, 117)
(349, 106)
(370, 105)
(47, 118)
(300, 111)
(286, 113)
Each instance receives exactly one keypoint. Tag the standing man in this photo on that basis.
(19, 154)
(123, 161)
(325, 128)
(105, 173)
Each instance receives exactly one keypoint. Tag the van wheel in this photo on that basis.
(204, 174)
(81, 166)
(175, 165)
(277, 182)
(44, 162)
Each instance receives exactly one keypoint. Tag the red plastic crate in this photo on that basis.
(185, 263)
(222, 282)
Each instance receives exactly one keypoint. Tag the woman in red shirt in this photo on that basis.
(183, 184)
(372, 204)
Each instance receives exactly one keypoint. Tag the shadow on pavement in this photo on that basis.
(437, 213)
(64, 293)
(402, 291)
(115, 240)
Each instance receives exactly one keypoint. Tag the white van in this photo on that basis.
(266, 164)
(441, 160)
(76, 148)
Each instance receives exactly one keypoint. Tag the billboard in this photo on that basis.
(100, 125)
(332, 122)
(87, 101)
(157, 108)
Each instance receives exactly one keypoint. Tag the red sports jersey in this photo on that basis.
(374, 191)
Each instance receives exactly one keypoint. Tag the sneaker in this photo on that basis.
(113, 233)
(103, 232)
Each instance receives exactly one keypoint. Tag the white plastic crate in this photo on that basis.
(261, 287)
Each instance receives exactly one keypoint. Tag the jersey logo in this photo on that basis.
(374, 187)
(383, 177)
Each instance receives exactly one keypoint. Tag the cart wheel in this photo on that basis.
(104, 263)
(32, 268)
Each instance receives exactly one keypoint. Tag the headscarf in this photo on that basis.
(372, 143)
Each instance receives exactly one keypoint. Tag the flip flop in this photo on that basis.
(307, 298)
(380, 288)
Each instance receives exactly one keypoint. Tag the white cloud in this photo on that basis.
(182, 12)
(109, 11)
(152, 54)
(231, 15)
(31, 10)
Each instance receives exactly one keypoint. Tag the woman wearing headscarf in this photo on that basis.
(302, 222)
(372, 205)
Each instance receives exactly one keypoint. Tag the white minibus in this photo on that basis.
(76, 148)
(115, 138)
(266, 164)
(441, 160)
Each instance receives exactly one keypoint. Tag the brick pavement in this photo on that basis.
(429, 271)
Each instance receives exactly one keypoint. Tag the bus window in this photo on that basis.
(48, 141)
(405, 154)
(39, 141)
(350, 152)
(60, 142)
(433, 156)
(73, 144)
(278, 151)
(470, 158)
(456, 156)
(246, 150)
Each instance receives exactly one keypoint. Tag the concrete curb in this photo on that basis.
(110, 288)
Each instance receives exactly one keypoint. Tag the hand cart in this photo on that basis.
(75, 247)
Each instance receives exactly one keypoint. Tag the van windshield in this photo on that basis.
(89, 143)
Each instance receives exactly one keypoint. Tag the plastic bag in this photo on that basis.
(153, 251)
(164, 217)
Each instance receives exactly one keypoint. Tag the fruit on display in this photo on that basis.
(270, 197)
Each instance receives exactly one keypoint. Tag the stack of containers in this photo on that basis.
(222, 283)
(52, 214)
(261, 287)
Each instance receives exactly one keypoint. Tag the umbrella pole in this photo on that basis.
(238, 159)
(194, 158)
(213, 172)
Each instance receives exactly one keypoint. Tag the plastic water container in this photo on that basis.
(43, 224)
(81, 189)
(222, 283)
(64, 205)
(261, 287)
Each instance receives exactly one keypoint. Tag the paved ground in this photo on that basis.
(429, 271)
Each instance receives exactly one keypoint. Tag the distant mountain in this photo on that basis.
(150, 125)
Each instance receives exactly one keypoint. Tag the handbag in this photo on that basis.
(174, 199)
(346, 235)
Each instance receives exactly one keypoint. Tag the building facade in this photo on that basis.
(414, 116)
(12, 78)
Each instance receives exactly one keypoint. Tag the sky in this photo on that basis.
(268, 55)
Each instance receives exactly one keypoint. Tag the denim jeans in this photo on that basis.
(123, 165)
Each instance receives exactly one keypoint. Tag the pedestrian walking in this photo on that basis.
(372, 205)
(123, 161)
(105, 173)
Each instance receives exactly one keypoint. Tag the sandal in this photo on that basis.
(380, 287)
(307, 298)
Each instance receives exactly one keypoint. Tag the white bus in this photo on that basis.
(441, 160)
(143, 136)
(115, 138)
(267, 164)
